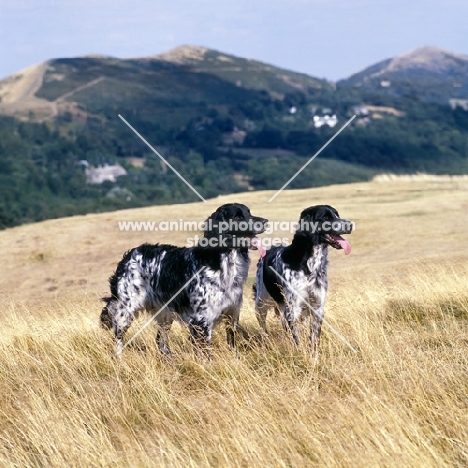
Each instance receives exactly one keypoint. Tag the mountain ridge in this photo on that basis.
(431, 73)
(426, 63)
(17, 87)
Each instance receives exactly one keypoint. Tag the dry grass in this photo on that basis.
(401, 299)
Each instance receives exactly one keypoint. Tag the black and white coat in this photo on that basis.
(293, 279)
(150, 276)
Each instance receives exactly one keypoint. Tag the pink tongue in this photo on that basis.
(257, 242)
(345, 245)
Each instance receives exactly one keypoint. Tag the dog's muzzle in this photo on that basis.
(333, 235)
(259, 225)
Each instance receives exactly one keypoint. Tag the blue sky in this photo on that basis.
(325, 38)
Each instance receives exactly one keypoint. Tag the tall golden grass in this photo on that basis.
(401, 400)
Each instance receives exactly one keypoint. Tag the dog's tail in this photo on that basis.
(105, 318)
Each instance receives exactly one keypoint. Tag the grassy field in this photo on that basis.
(400, 299)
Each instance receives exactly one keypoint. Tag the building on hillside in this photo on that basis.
(361, 110)
(100, 174)
(319, 121)
(463, 103)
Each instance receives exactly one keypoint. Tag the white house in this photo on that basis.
(319, 121)
(98, 175)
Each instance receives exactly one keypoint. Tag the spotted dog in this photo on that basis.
(148, 277)
(300, 272)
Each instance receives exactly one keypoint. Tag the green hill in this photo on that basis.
(227, 124)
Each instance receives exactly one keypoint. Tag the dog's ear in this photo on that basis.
(211, 226)
(218, 215)
(333, 210)
(208, 226)
(308, 215)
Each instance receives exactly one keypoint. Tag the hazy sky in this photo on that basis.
(325, 38)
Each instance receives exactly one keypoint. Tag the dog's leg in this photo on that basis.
(231, 330)
(263, 300)
(164, 326)
(120, 314)
(261, 311)
(315, 328)
(105, 318)
(232, 322)
(316, 321)
(289, 320)
(121, 321)
(118, 332)
(200, 335)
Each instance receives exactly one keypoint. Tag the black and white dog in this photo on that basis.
(293, 279)
(148, 277)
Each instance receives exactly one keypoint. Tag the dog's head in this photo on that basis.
(233, 226)
(324, 224)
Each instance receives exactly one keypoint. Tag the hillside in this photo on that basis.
(185, 75)
(246, 73)
(400, 299)
(428, 73)
(227, 124)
